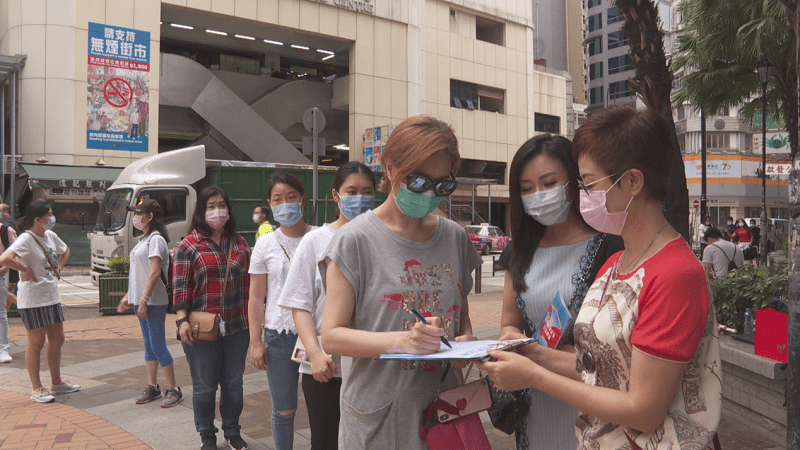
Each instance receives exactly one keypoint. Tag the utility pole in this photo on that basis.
(793, 376)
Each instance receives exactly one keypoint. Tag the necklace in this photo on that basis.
(636, 261)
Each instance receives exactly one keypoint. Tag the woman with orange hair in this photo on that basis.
(382, 264)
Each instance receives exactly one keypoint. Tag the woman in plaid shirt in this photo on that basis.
(198, 277)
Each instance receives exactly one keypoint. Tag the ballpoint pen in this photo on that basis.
(422, 318)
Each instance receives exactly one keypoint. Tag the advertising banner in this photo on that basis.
(118, 88)
(734, 168)
(374, 142)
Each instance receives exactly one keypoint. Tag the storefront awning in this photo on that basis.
(75, 177)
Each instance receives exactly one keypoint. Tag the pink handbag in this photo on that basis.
(457, 426)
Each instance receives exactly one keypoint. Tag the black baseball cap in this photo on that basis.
(146, 205)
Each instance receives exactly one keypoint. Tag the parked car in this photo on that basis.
(487, 237)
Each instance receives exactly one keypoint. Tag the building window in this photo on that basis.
(613, 15)
(617, 39)
(453, 21)
(595, 22)
(681, 113)
(748, 143)
(596, 70)
(620, 89)
(596, 95)
(596, 46)
(471, 96)
(724, 111)
(719, 141)
(593, 3)
(491, 99)
(488, 31)
(619, 64)
(546, 123)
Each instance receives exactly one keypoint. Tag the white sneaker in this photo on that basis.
(5, 357)
(42, 395)
(64, 388)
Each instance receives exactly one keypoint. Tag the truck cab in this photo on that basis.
(166, 178)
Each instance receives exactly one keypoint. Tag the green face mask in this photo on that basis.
(415, 205)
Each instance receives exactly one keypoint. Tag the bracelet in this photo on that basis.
(146, 297)
(181, 320)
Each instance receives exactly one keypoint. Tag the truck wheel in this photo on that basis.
(487, 248)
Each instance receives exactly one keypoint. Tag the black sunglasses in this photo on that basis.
(420, 183)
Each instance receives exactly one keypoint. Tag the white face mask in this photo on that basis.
(547, 207)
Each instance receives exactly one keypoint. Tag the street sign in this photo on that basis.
(696, 203)
(308, 120)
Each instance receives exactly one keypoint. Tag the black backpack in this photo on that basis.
(731, 265)
(13, 275)
(167, 278)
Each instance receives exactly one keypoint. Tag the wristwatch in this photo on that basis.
(181, 320)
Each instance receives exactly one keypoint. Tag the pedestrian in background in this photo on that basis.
(354, 194)
(210, 275)
(260, 218)
(149, 263)
(741, 235)
(39, 255)
(272, 256)
(385, 261)
(727, 232)
(7, 235)
(755, 239)
(719, 254)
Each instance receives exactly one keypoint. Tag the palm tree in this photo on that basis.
(653, 82)
(724, 41)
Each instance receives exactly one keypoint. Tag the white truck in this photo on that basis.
(173, 179)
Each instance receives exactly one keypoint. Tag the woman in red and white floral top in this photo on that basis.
(646, 347)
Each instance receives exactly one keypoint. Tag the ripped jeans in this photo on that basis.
(283, 377)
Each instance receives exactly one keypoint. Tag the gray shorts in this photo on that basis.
(42, 316)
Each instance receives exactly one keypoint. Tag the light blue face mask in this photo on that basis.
(353, 205)
(51, 222)
(416, 205)
(287, 214)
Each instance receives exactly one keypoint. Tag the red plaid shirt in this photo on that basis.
(198, 272)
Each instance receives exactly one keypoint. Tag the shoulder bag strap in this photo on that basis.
(723, 252)
(227, 269)
(55, 269)
(284, 250)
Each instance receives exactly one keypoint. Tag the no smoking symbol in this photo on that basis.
(118, 92)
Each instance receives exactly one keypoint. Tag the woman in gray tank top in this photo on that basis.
(379, 266)
(553, 252)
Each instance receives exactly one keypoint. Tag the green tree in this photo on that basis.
(723, 44)
(653, 82)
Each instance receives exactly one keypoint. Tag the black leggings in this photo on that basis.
(322, 401)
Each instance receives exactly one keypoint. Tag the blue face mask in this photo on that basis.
(353, 205)
(416, 205)
(287, 214)
(51, 222)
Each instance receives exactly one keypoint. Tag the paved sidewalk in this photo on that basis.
(103, 354)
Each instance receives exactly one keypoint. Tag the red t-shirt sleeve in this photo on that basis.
(673, 306)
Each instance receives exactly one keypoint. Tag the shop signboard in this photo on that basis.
(777, 142)
(118, 88)
(772, 122)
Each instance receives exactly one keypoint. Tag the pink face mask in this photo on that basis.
(595, 210)
(138, 222)
(217, 218)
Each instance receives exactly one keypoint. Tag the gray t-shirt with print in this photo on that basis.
(383, 401)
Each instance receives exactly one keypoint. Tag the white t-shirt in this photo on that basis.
(269, 258)
(307, 292)
(149, 246)
(44, 291)
(720, 253)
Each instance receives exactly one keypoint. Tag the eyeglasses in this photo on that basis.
(585, 186)
(420, 183)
